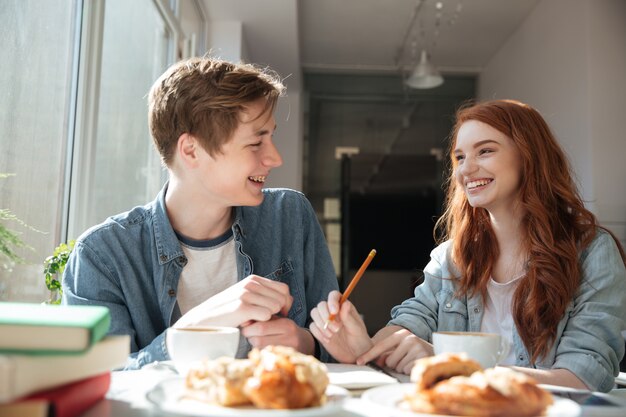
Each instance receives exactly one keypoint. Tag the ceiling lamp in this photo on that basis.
(424, 37)
(424, 75)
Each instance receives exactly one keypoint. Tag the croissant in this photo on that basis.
(492, 392)
(286, 379)
(427, 372)
(220, 381)
(276, 377)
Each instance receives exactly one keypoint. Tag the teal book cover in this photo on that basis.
(29, 328)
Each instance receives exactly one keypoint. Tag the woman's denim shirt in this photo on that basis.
(589, 342)
(132, 262)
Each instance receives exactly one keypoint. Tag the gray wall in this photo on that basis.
(288, 139)
(225, 39)
(574, 73)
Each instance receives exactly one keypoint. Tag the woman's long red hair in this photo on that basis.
(556, 224)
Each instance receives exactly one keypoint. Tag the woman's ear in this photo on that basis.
(187, 148)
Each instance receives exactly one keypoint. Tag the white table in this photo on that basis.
(127, 398)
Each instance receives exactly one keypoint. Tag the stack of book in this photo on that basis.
(55, 360)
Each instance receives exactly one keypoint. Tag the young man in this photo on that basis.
(213, 248)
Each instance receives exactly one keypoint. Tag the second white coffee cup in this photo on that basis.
(488, 349)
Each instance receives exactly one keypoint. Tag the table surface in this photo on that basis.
(127, 398)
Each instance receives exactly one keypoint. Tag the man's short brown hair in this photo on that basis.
(204, 97)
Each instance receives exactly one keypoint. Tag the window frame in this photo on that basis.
(83, 118)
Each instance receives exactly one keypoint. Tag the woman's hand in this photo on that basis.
(345, 337)
(397, 348)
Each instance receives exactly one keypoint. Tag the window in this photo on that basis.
(37, 38)
(125, 169)
(74, 126)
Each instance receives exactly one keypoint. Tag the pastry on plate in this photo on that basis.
(426, 372)
(273, 377)
(492, 392)
(220, 381)
(284, 378)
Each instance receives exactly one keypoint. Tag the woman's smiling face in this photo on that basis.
(488, 166)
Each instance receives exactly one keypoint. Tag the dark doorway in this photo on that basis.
(398, 226)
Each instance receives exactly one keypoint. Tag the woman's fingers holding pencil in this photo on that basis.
(333, 302)
(351, 286)
(324, 314)
(320, 317)
(346, 336)
(326, 317)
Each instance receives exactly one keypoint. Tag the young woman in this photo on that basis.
(521, 256)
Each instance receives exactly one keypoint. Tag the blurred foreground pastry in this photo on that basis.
(220, 381)
(492, 392)
(286, 378)
(275, 377)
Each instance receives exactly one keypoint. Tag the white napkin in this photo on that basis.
(356, 376)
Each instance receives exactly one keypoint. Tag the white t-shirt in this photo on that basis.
(211, 268)
(497, 317)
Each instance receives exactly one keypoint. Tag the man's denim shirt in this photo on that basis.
(131, 264)
(588, 338)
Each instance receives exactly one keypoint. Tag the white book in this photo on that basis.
(21, 375)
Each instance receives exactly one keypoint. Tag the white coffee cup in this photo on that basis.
(192, 344)
(488, 349)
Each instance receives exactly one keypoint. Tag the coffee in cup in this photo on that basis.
(488, 349)
(190, 344)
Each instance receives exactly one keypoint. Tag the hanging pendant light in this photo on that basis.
(425, 75)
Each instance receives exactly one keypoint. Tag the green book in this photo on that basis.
(51, 329)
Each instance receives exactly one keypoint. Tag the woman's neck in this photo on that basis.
(506, 228)
(512, 259)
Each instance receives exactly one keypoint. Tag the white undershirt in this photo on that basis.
(211, 268)
(497, 317)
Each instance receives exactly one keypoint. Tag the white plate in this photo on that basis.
(392, 396)
(166, 396)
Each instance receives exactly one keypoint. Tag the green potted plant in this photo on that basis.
(10, 239)
(54, 266)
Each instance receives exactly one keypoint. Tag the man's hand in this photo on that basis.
(279, 331)
(252, 299)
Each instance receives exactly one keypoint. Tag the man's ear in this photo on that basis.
(187, 148)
